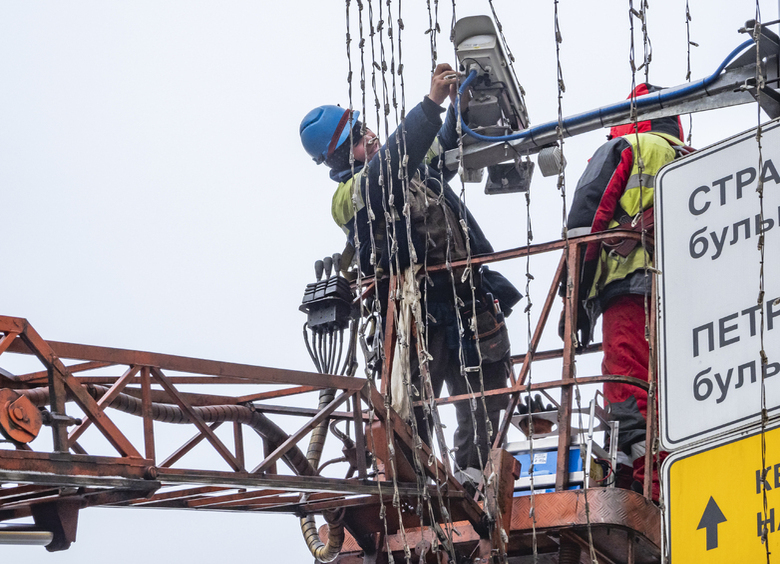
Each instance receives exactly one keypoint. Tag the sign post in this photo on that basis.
(712, 315)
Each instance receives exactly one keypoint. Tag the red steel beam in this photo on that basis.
(529, 357)
(570, 307)
(402, 431)
(146, 412)
(7, 340)
(187, 447)
(177, 495)
(246, 373)
(40, 376)
(49, 358)
(276, 481)
(226, 500)
(583, 380)
(45, 468)
(197, 420)
(276, 394)
(282, 449)
(107, 398)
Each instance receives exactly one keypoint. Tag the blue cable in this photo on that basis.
(603, 113)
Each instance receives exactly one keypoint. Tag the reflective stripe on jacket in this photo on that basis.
(655, 150)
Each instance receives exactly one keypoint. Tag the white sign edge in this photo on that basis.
(735, 426)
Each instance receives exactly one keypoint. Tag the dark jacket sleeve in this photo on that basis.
(412, 139)
(448, 139)
(591, 186)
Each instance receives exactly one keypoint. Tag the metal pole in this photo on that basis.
(20, 536)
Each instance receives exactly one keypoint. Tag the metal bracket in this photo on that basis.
(724, 91)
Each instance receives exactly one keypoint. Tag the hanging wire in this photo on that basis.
(504, 42)
(468, 276)
(419, 335)
(467, 270)
(561, 184)
(647, 46)
(373, 256)
(760, 83)
(430, 409)
(690, 44)
(388, 197)
(652, 441)
(433, 31)
(641, 169)
(559, 128)
(529, 236)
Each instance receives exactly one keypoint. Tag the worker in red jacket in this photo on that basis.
(616, 191)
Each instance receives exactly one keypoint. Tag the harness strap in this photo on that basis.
(622, 246)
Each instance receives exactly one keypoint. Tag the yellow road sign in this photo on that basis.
(716, 500)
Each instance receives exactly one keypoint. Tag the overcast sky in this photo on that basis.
(156, 195)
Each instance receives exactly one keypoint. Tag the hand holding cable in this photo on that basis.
(444, 83)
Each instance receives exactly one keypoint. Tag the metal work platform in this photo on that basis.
(115, 420)
(623, 525)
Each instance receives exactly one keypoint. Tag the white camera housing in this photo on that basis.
(497, 96)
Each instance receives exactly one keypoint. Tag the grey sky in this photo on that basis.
(156, 196)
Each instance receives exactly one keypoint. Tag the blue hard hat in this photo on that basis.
(324, 129)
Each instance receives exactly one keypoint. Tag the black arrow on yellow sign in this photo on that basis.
(712, 517)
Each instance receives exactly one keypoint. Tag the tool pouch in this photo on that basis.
(491, 334)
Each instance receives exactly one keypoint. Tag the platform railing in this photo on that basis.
(76, 469)
(566, 276)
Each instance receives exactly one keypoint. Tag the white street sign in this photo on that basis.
(708, 223)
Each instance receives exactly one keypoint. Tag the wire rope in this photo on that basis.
(764, 419)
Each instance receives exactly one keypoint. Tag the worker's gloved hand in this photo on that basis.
(583, 328)
(531, 424)
(536, 405)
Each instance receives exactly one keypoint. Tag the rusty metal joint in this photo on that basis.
(50, 419)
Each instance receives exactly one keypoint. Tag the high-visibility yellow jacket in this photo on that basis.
(616, 191)
(647, 153)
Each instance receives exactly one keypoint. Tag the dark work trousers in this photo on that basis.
(445, 367)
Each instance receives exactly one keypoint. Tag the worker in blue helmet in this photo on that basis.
(400, 214)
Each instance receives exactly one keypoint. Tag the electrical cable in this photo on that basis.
(608, 112)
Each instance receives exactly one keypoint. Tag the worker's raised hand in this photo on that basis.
(444, 83)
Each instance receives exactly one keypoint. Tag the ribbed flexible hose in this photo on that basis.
(274, 436)
(569, 553)
(321, 551)
(324, 552)
(165, 413)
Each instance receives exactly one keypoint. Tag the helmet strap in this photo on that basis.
(337, 134)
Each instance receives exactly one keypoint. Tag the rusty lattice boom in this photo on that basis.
(48, 477)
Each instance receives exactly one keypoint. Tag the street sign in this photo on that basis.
(708, 222)
(715, 500)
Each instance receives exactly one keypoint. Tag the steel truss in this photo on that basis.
(51, 482)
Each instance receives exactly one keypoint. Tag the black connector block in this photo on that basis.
(328, 304)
